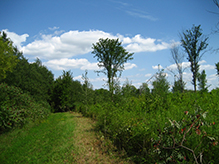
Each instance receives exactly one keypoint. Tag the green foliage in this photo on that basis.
(179, 86)
(66, 92)
(192, 42)
(144, 89)
(129, 90)
(111, 57)
(186, 140)
(202, 82)
(34, 79)
(7, 58)
(160, 84)
(101, 95)
(138, 124)
(18, 108)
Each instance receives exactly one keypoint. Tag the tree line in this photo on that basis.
(64, 92)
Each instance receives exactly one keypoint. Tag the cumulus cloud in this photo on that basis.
(65, 63)
(62, 44)
(140, 44)
(187, 65)
(83, 64)
(17, 39)
(129, 66)
(67, 45)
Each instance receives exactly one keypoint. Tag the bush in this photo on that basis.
(148, 127)
(17, 108)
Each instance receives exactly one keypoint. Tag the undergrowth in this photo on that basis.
(177, 128)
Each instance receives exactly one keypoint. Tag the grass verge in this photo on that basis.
(50, 141)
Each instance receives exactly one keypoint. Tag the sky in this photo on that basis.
(61, 33)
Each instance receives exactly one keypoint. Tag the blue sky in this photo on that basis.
(61, 33)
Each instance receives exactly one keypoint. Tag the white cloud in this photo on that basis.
(174, 66)
(187, 65)
(65, 63)
(73, 43)
(207, 67)
(78, 78)
(17, 39)
(140, 44)
(67, 45)
(129, 66)
(83, 64)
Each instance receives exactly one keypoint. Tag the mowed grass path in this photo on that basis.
(51, 141)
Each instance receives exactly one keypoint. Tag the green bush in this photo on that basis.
(17, 108)
(143, 126)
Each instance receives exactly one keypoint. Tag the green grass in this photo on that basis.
(51, 141)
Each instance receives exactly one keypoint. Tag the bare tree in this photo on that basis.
(178, 59)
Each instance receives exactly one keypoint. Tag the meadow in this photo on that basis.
(49, 141)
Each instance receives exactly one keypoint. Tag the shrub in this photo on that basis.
(17, 108)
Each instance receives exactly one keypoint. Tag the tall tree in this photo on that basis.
(7, 58)
(111, 57)
(194, 44)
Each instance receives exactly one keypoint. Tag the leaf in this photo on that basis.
(177, 125)
(211, 138)
(172, 124)
(204, 114)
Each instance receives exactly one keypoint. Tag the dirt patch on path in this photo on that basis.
(90, 148)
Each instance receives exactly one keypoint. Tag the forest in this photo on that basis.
(158, 125)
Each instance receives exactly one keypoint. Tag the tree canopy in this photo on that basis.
(7, 58)
(111, 57)
(193, 43)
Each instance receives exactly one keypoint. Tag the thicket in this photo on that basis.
(18, 108)
(177, 127)
(25, 88)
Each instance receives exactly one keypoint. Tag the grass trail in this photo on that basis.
(92, 147)
(51, 141)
